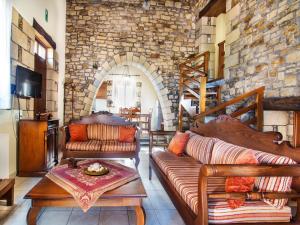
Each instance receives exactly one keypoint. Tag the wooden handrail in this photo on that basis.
(257, 106)
(196, 74)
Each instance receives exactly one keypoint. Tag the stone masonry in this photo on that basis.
(113, 32)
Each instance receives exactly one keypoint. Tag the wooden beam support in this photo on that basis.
(297, 129)
(213, 8)
(282, 104)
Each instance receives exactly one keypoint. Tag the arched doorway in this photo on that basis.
(150, 71)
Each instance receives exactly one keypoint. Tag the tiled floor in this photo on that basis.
(159, 208)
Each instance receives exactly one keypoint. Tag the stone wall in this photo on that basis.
(22, 53)
(102, 33)
(263, 47)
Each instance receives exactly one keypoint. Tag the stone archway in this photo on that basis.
(149, 70)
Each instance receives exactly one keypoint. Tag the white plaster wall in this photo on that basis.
(220, 36)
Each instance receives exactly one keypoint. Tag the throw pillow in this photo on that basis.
(78, 132)
(127, 134)
(178, 143)
(241, 184)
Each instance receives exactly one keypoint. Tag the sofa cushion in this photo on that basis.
(91, 145)
(116, 146)
(226, 153)
(200, 148)
(102, 132)
(273, 184)
(166, 160)
(178, 143)
(127, 134)
(78, 132)
(251, 212)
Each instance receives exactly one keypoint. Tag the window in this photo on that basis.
(124, 92)
(40, 50)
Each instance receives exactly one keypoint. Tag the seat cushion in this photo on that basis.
(183, 173)
(250, 212)
(103, 132)
(200, 148)
(116, 146)
(91, 145)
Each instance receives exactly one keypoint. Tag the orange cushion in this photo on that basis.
(178, 143)
(78, 132)
(127, 134)
(241, 184)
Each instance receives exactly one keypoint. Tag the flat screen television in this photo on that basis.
(28, 83)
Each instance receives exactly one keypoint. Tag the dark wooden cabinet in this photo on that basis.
(38, 147)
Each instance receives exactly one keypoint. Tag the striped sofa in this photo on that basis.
(103, 131)
(196, 182)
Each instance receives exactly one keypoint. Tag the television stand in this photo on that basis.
(38, 147)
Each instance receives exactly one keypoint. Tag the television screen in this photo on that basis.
(28, 83)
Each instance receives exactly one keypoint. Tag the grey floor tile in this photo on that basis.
(167, 217)
(151, 218)
(54, 217)
(114, 217)
(80, 218)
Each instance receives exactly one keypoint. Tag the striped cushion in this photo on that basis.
(251, 212)
(102, 132)
(92, 145)
(166, 160)
(183, 172)
(226, 153)
(273, 184)
(200, 148)
(115, 146)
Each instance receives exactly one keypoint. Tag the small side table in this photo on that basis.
(7, 190)
(159, 138)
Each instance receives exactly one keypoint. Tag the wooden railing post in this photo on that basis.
(180, 110)
(259, 110)
(202, 100)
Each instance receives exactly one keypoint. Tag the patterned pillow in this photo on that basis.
(274, 184)
(200, 147)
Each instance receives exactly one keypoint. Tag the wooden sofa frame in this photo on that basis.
(107, 119)
(237, 133)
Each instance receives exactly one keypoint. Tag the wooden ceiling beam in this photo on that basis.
(213, 8)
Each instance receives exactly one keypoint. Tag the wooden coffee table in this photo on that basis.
(48, 194)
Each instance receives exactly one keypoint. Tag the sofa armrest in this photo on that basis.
(64, 137)
(207, 171)
(154, 139)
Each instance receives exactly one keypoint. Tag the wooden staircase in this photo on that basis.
(196, 92)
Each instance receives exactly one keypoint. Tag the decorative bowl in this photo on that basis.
(94, 173)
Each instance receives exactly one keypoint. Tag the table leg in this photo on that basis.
(32, 215)
(140, 215)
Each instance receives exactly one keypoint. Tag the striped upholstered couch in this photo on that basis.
(196, 181)
(103, 132)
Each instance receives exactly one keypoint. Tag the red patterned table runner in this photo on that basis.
(86, 189)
